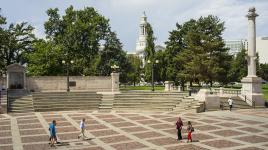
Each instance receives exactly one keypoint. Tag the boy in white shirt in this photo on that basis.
(230, 101)
(82, 127)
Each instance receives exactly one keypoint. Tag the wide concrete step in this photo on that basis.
(65, 109)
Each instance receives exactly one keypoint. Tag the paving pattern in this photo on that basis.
(236, 130)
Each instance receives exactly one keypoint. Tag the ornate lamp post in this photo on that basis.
(67, 70)
(114, 67)
(153, 65)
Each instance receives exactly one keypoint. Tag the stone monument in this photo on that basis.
(16, 78)
(251, 84)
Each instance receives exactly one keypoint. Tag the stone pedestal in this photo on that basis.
(115, 82)
(168, 85)
(179, 88)
(251, 88)
(212, 102)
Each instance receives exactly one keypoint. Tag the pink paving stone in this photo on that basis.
(250, 122)
(171, 119)
(162, 126)
(253, 139)
(265, 126)
(88, 121)
(68, 136)
(228, 124)
(6, 147)
(32, 126)
(105, 116)
(27, 121)
(147, 122)
(96, 127)
(5, 122)
(32, 132)
(134, 129)
(123, 124)
(160, 116)
(209, 121)
(113, 120)
(91, 148)
(115, 139)
(138, 118)
(172, 131)
(32, 139)
(5, 141)
(5, 133)
(6, 127)
(150, 134)
(206, 127)
(200, 136)
(186, 147)
(128, 146)
(103, 133)
(250, 148)
(27, 117)
(57, 119)
(221, 143)
(227, 133)
(164, 141)
(60, 123)
(249, 129)
(80, 117)
(230, 119)
(44, 146)
(66, 129)
(128, 115)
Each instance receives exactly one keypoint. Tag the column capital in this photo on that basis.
(252, 13)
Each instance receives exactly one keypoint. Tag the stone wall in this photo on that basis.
(58, 83)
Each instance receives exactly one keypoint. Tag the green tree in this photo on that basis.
(112, 54)
(195, 52)
(149, 52)
(264, 71)
(78, 34)
(45, 60)
(133, 75)
(15, 42)
(238, 68)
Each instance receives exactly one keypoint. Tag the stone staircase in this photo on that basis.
(189, 104)
(238, 103)
(151, 101)
(21, 104)
(61, 101)
(107, 101)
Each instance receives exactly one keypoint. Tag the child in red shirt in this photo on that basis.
(190, 129)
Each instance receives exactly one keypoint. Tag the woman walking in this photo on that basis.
(179, 125)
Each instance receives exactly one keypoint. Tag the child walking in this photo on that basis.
(82, 127)
(190, 129)
(53, 136)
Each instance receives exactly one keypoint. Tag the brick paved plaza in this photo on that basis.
(242, 129)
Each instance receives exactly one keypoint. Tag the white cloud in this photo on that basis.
(124, 15)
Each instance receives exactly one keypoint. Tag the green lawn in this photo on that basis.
(157, 88)
(265, 91)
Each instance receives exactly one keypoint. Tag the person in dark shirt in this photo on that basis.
(179, 125)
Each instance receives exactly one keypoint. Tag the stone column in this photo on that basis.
(115, 82)
(251, 85)
(251, 42)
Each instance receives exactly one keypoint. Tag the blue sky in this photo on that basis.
(124, 15)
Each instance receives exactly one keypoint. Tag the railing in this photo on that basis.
(4, 102)
(226, 91)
